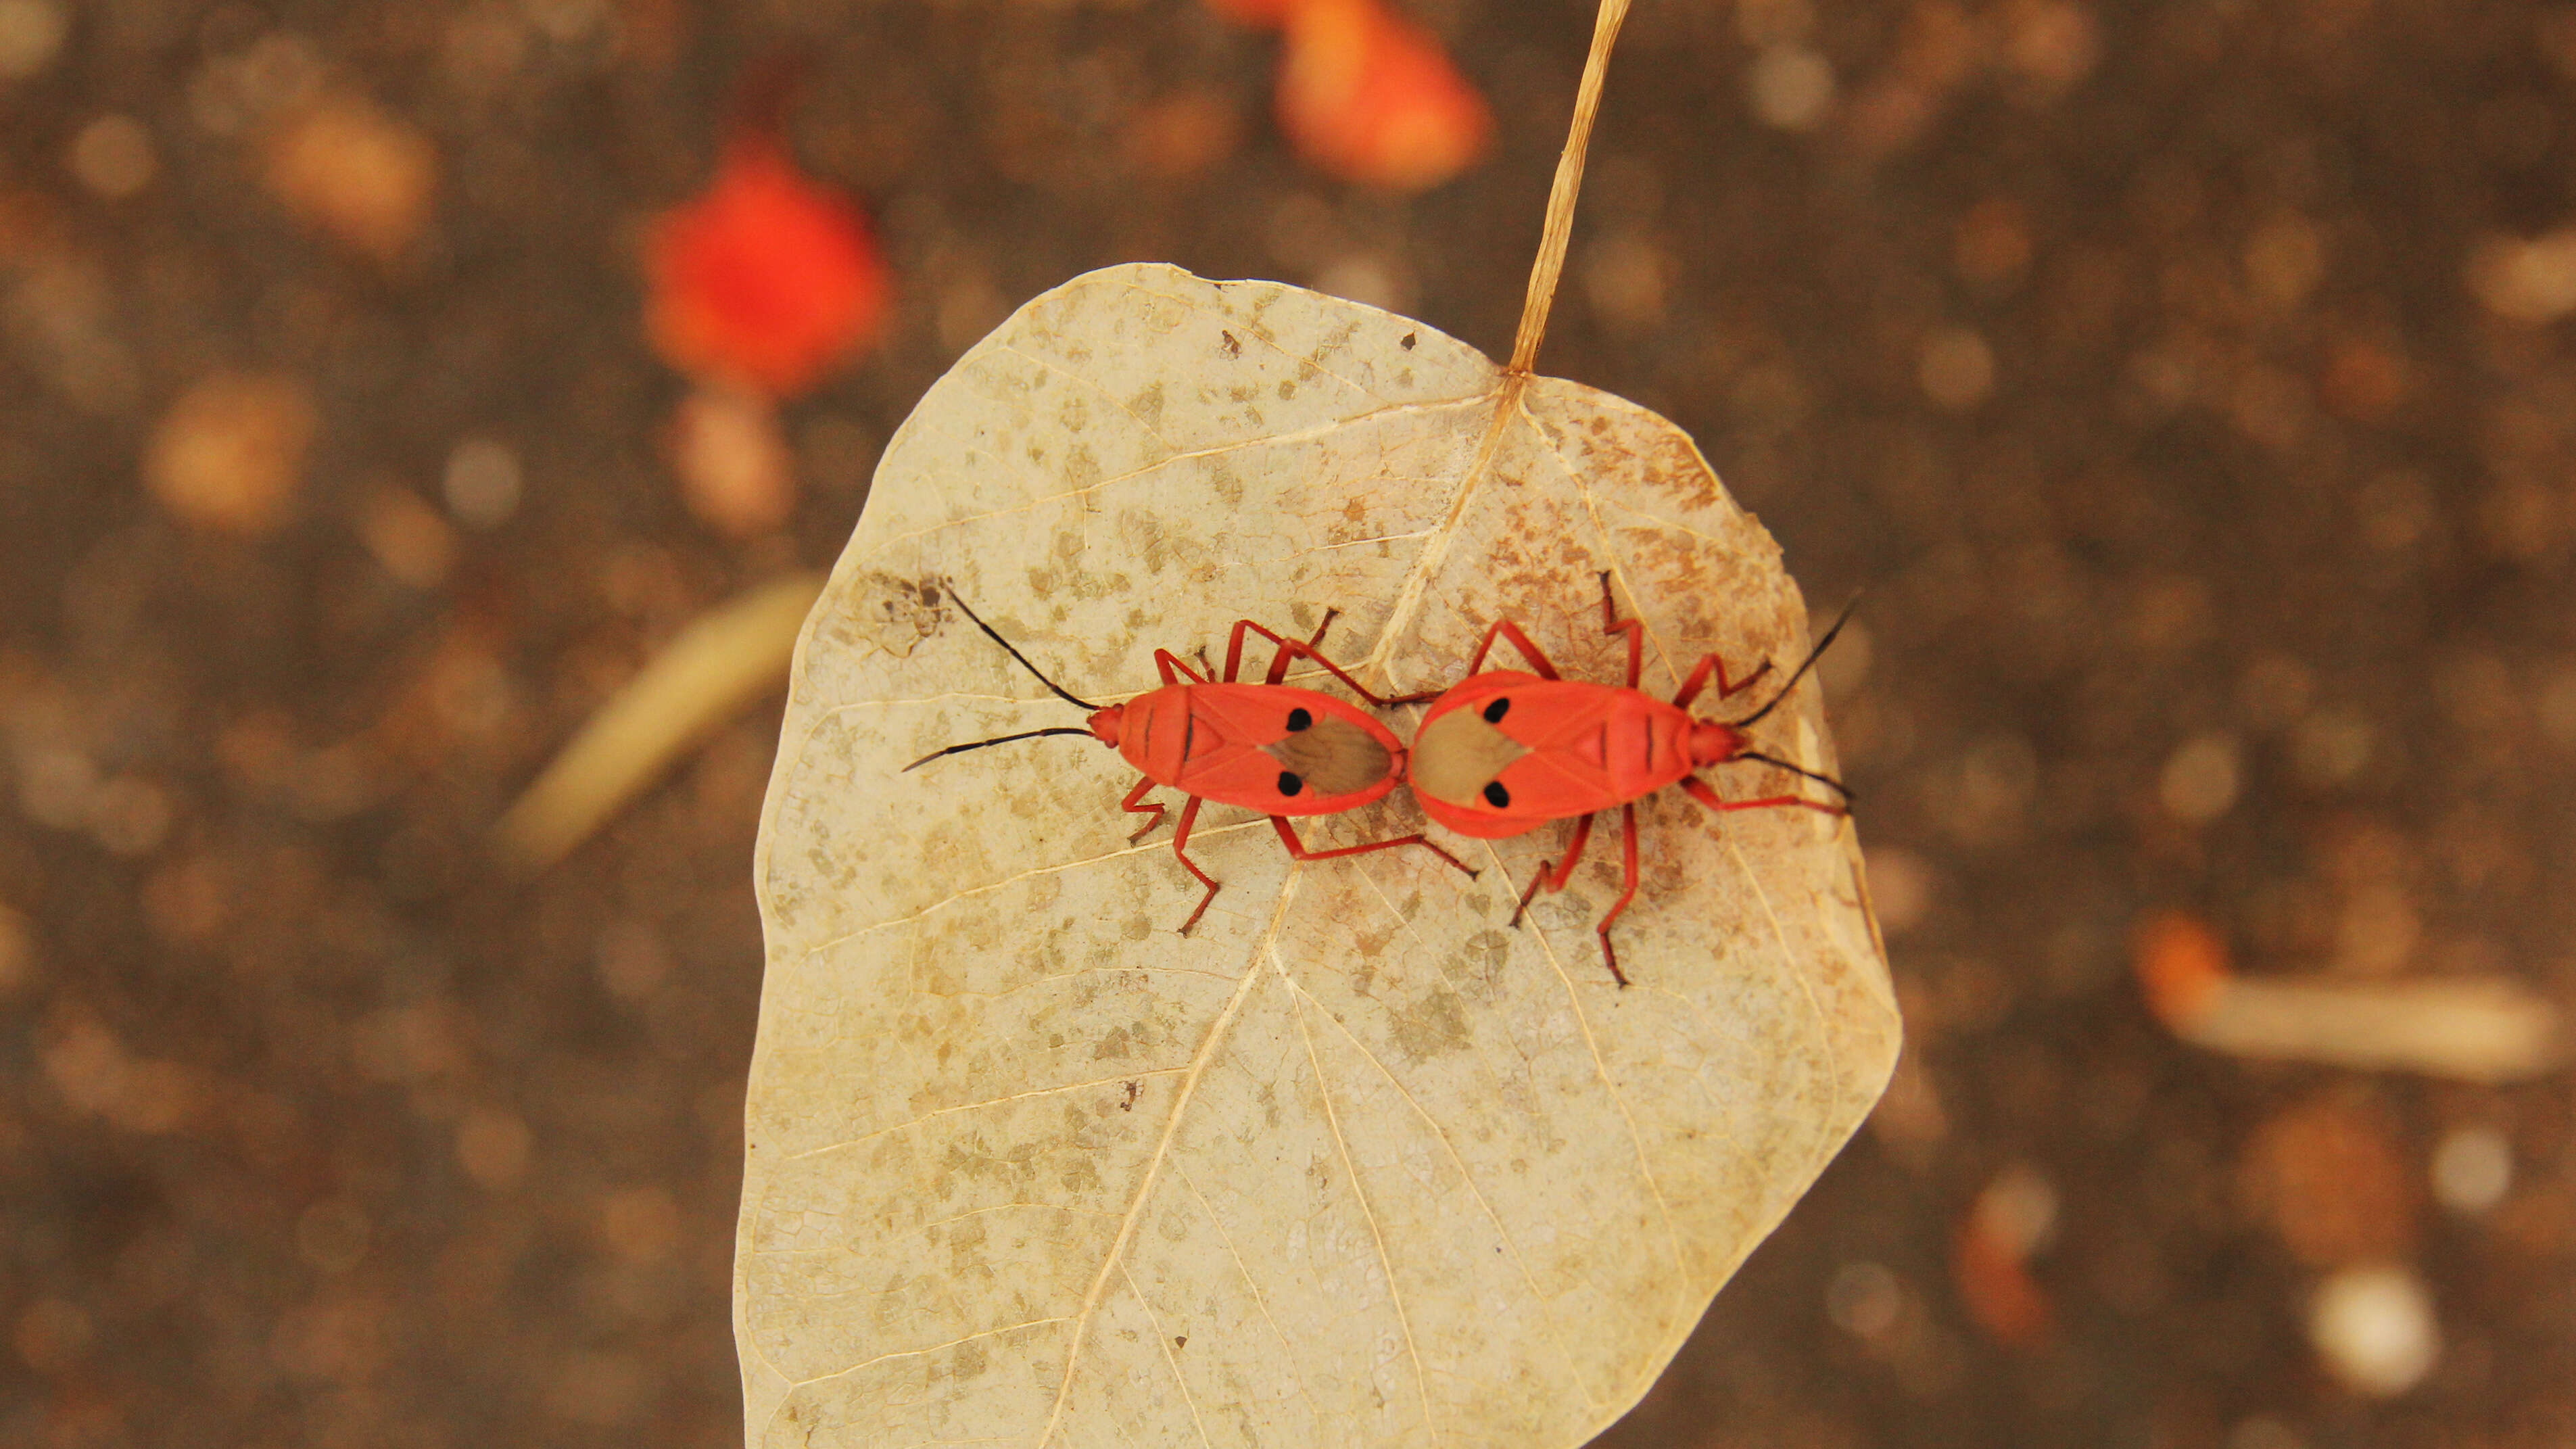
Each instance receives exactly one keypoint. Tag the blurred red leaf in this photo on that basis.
(1372, 98)
(766, 281)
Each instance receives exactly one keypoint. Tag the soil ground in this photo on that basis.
(2163, 373)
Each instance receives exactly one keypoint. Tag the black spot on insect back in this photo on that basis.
(1289, 784)
(1299, 719)
(1494, 712)
(1497, 796)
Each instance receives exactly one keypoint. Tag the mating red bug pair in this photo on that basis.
(1499, 754)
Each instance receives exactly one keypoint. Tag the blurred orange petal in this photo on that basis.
(1372, 98)
(766, 281)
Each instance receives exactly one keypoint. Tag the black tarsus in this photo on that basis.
(1837, 786)
(1060, 692)
(995, 740)
(1809, 663)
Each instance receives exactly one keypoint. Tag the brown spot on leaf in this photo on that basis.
(1431, 1026)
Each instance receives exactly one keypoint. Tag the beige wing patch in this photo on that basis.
(1333, 756)
(1458, 753)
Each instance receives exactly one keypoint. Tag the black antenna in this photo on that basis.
(1024, 663)
(995, 740)
(1837, 786)
(1812, 654)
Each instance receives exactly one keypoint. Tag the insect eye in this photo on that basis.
(1289, 784)
(1298, 719)
(1497, 796)
(1494, 712)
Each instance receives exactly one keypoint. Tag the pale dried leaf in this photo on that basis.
(722, 662)
(2471, 1029)
(1354, 1164)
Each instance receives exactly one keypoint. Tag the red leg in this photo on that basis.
(1509, 630)
(1698, 790)
(1180, 844)
(1173, 667)
(1709, 663)
(1297, 848)
(1153, 808)
(1278, 665)
(1611, 623)
(1292, 649)
(1628, 880)
(1279, 661)
(1564, 868)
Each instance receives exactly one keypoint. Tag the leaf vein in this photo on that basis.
(1466, 1178)
(1259, 1299)
(1165, 1344)
(1116, 1255)
(918, 1352)
(1359, 1194)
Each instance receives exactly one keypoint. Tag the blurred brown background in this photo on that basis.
(2182, 381)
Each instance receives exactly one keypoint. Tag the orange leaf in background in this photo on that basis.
(766, 281)
(1372, 98)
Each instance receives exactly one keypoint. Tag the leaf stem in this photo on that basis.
(1560, 197)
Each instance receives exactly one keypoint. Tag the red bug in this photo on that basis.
(1501, 753)
(1270, 747)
